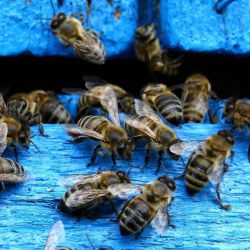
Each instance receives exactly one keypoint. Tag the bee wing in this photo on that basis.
(90, 48)
(93, 81)
(124, 190)
(161, 221)
(216, 171)
(3, 137)
(75, 130)
(55, 236)
(185, 146)
(71, 180)
(185, 85)
(77, 91)
(3, 106)
(12, 177)
(82, 197)
(136, 123)
(109, 102)
(142, 109)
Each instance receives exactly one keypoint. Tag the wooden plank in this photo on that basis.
(29, 210)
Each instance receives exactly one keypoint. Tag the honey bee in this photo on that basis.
(92, 190)
(23, 107)
(162, 99)
(11, 172)
(3, 137)
(149, 125)
(112, 136)
(149, 207)
(148, 50)
(56, 236)
(50, 109)
(147, 45)
(90, 98)
(85, 43)
(238, 111)
(195, 98)
(18, 132)
(208, 164)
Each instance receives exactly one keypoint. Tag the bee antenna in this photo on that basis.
(53, 7)
(90, 242)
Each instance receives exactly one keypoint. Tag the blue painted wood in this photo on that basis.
(29, 210)
(25, 25)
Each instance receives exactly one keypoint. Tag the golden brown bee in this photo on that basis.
(11, 172)
(238, 112)
(18, 132)
(162, 99)
(164, 64)
(92, 190)
(56, 236)
(147, 45)
(148, 50)
(149, 207)
(85, 43)
(196, 98)
(208, 164)
(50, 109)
(112, 136)
(3, 136)
(149, 125)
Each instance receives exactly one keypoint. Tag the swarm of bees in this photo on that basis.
(124, 120)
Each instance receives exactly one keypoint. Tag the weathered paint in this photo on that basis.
(25, 25)
(29, 210)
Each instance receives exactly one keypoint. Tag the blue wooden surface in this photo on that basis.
(189, 25)
(29, 210)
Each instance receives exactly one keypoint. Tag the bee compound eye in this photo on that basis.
(54, 25)
(61, 16)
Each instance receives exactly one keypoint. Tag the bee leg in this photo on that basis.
(160, 161)
(169, 222)
(94, 154)
(2, 186)
(13, 147)
(225, 167)
(41, 129)
(147, 156)
(112, 204)
(224, 207)
(113, 159)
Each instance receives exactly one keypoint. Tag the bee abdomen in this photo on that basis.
(196, 175)
(192, 114)
(169, 106)
(135, 216)
(54, 112)
(8, 166)
(95, 123)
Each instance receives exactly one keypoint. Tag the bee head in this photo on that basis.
(123, 176)
(228, 136)
(126, 149)
(24, 136)
(229, 107)
(168, 182)
(116, 135)
(145, 31)
(57, 21)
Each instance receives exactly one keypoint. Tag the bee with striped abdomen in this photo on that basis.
(148, 50)
(208, 164)
(85, 43)
(18, 132)
(92, 190)
(56, 236)
(151, 206)
(195, 98)
(162, 99)
(149, 125)
(112, 136)
(238, 112)
(11, 172)
(50, 109)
